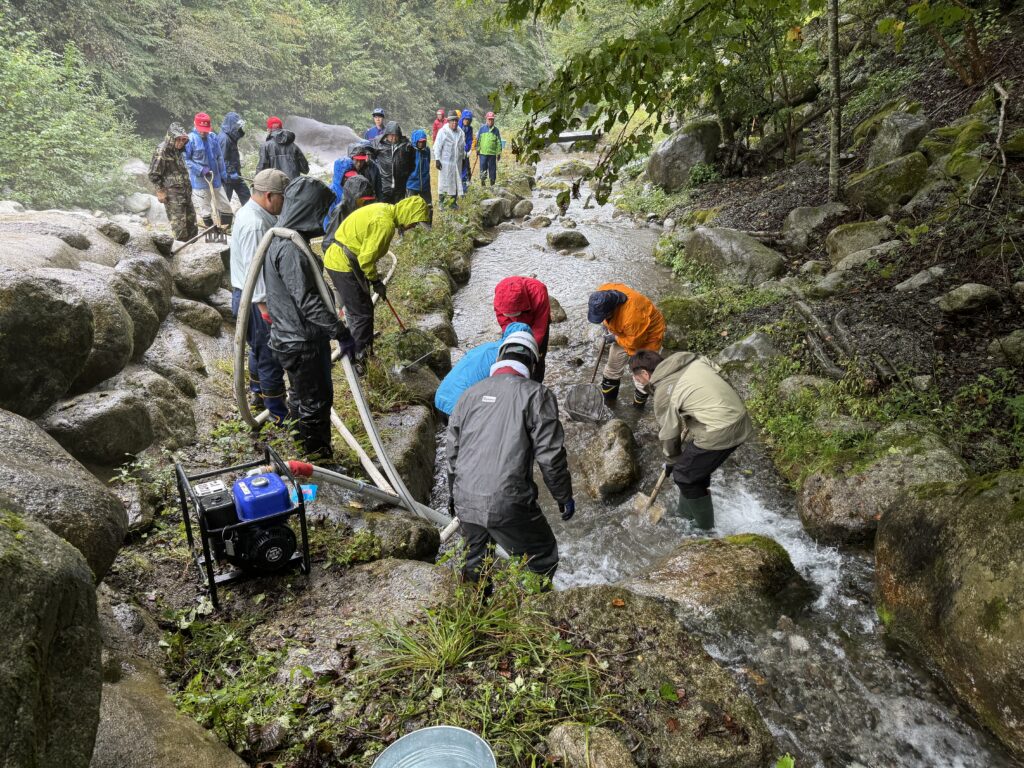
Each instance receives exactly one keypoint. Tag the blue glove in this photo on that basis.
(610, 338)
(206, 173)
(568, 509)
(345, 342)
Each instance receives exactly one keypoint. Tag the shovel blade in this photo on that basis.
(655, 513)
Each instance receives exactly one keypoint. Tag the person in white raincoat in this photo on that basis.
(449, 152)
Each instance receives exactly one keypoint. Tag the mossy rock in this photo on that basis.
(967, 167)
(416, 346)
(573, 168)
(972, 135)
(431, 290)
(552, 185)
(1014, 145)
(951, 583)
(683, 315)
(665, 250)
(933, 148)
(867, 127)
(986, 104)
(879, 190)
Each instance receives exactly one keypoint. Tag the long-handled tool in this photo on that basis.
(585, 402)
(217, 235)
(645, 504)
(205, 233)
(392, 308)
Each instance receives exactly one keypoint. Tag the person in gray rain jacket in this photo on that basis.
(496, 431)
(280, 151)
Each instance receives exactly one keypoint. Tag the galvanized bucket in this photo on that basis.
(442, 746)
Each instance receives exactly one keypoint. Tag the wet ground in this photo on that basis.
(831, 690)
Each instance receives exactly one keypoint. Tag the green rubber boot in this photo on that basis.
(700, 511)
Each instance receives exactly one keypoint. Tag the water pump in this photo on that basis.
(245, 522)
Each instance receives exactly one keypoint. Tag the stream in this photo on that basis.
(826, 682)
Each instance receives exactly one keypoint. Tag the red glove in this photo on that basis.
(266, 317)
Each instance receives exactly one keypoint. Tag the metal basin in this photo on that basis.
(442, 746)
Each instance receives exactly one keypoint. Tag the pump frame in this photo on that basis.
(204, 555)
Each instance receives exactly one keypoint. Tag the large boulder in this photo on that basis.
(492, 211)
(198, 269)
(966, 299)
(581, 746)
(1009, 349)
(522, 208)
(104, 428)
(609, 460)
(755, 349)
(417, 347)
(170, 414)
(50, 676)
(326, 141)
(670, 164)
(409, 438)
(196, 315)
(734, 256)
(152, 276)
(567, 238)
(42, 482)
(744, 577)
(845, 508)
(683, 316)
(899, 133)
(175, 355)
(801, 225)
(403, 536)
(23, 250)
(145, 322)
(884, 188)
(113, 331)
(850, 238)
(46, 335)
(951, 586)
(695, 713)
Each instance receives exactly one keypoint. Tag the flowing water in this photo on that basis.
(831, 690)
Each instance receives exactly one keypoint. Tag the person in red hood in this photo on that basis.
(439, 121)
(525, 300)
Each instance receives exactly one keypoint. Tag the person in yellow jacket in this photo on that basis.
(701, 421)
(633, 323)
(351, 261)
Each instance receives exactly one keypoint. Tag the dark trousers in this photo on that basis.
(181, 213)
(310, 395)
(467, 173)
(692, 473)
(538, 370)
(488, 168)
(358, 306)
(237, 187)
(266, 377)
(532, 537)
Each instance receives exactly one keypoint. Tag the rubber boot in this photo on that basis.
(639, 398)
(207, 222)
(700, 511)
(610, 391)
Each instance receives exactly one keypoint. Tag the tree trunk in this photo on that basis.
(836, 127)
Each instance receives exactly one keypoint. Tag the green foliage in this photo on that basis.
(703, 173)
(952, 25)
(65, 141)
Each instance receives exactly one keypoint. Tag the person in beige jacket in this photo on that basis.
(701, 419)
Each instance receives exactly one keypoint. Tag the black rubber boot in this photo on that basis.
(610, 391)
(207, 222)
(639, 398)
(700, 511)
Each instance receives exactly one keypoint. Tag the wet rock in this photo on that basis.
(11, 206)
(850, 238)
(522, 208)
(433, 290)
(802, 225)
(610, 460)
(558, 341)
(755, 349)
(921, 279)
(966, 299)
(104, 428)
(137, 202)
(683, 315)
(144, 323)
(45, 343)
(420, 381)
(51, 672)
(440, 326)
(459, 268)
(814, 268)
(195, 314)
(557, 313)
(418, 348)
(175, 355)
(881, 189)
(170, 413)
(573, 168)
(566, 222)
(670, 164)
(734, 256)
(538, 222)
(403, 536)
(552, 185)
(899, 133)
(567, 238)
(858, 259)
(686, 724)
(220, 300)
(746, 577)
(43, 482)
(113, 333)
(1009, 349)
(581, 746)
(492, 211)
(198, 269)
(831, 284)
(152, 276)
(27, 250)
(409, 439)
(950, 585)
(141, 509)
(796, 386)
(845, 508)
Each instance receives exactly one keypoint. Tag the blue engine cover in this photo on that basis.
(260, 496)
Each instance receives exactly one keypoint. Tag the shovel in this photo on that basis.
(205, 233)
(585, 401)
(216, 233)
(392, 308)
(645, 504)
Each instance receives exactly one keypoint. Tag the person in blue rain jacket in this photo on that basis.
(205, 168)
(419, 179)
(473, 367)
(231, 132)
(466, 126)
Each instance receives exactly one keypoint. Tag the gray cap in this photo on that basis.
(270, 180)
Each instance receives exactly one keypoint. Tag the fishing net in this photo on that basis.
(584, 402)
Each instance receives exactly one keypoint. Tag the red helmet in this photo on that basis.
(489, 116)
(202, 120)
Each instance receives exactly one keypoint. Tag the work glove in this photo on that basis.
(206, 173)
(266, 316)
(610, 338)
(379, 289)
(346, 343)
(437, 164)
(568, 509)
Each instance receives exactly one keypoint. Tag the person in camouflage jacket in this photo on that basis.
(169, 175)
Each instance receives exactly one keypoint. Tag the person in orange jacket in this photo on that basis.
(633, 323)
